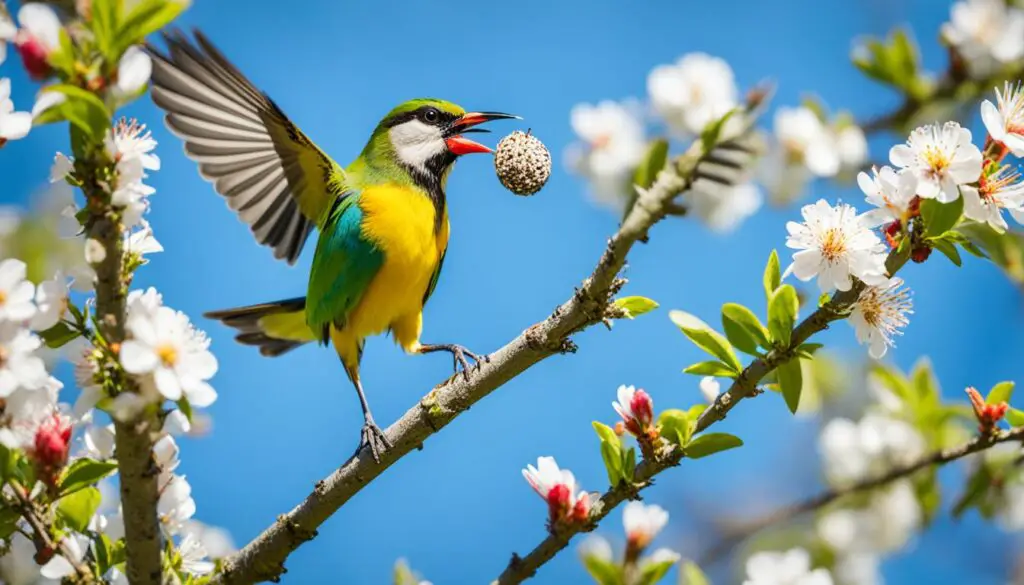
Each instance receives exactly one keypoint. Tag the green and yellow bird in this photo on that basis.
(383, 220)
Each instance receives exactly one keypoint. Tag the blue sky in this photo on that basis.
(459, 508)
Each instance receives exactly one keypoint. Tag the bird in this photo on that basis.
(382, 220)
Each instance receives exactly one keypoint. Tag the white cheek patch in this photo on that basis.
(416, 142)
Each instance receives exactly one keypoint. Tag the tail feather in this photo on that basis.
(275, 328)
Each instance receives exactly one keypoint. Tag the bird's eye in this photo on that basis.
(431, 116)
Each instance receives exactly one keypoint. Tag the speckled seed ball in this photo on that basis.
(522, 162)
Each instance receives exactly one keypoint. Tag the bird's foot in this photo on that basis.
(459, 355)
(374, 438)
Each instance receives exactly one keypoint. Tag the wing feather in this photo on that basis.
(270, 173)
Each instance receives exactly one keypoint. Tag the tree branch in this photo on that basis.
(263, 558)
(133, 439)
(45, 545)
(980, 443)
(745, 385)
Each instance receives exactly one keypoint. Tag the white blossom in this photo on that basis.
(16, 293)
(853, 451)
(942, 158)
(99, 441)
(95, 253)
(643, 522)
(133, 71)
(986, 34)
(1005, 119)
(710, 388)
(21, 367)
(693, 92)
(8, 30)
(216, 541)
(1000, 189)
(25, 410)
(835, 244)
(852, 146)
(194, 556)
(890, 192)
(175, 505)
(792, 567)
(13, 125)
(613, 145)
(46, 99)
(883, 525)
(62, 167)
(18, 566)
(597, 547)
(51, 302)
(723, 209)
(546, 475)
(806, 139)
(142, 241)
(879, 314)
(171, 355)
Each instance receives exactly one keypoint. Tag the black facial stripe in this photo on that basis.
(444, 118)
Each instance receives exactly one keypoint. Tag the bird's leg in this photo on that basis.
(459, 355)
(372, 436)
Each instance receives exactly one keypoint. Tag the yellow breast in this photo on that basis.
(401, 221)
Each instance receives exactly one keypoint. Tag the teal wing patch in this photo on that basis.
(343, 266)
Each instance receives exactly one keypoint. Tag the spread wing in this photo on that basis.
(270, 173)
(343, 266)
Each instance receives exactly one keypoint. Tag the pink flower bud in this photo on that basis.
(642, 407)
(581, 510)
(50, 447)
(636, 409)
(35, 56)
(559, 501)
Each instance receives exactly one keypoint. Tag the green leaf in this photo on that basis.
(8, 521)
(63, 58)
(653, 162)
(605, 432)
(894, 381)
(604, 572)
(710, 368)
(1001, 392)
(694, 412)
(975, 491)
(712, 132)
(628, 464)
(611, 452)
(84, 110)
(59, 335)
(634, 306)
(782, 312)
(925, 385)
(185, 407)
(711, 443)
(692, 575)
(612, 457)
(104, 26)
(806, 350)
(102, 548)
(791, 382)
(653, 572)
(85, 472)
(76, 509)
(1015, 417)
(675, 426)
(939, 218)
(148, 16)
(948, 250)
(706, 338)
(772, 275)
(743, 329)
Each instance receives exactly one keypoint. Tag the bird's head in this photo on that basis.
(425, 136)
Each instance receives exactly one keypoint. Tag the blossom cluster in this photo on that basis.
(36, 38)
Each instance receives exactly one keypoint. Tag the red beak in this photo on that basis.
(459, 144)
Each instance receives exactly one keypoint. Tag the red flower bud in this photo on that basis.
(50, 447)
(642, 407)
(559, 497)
(921, 254)
(35, 56)
(581, 511)
(988, 415)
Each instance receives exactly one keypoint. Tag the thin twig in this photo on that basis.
(745, 385)
(793, 511)
(42, 535)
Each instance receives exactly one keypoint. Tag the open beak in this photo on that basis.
(459, 144)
